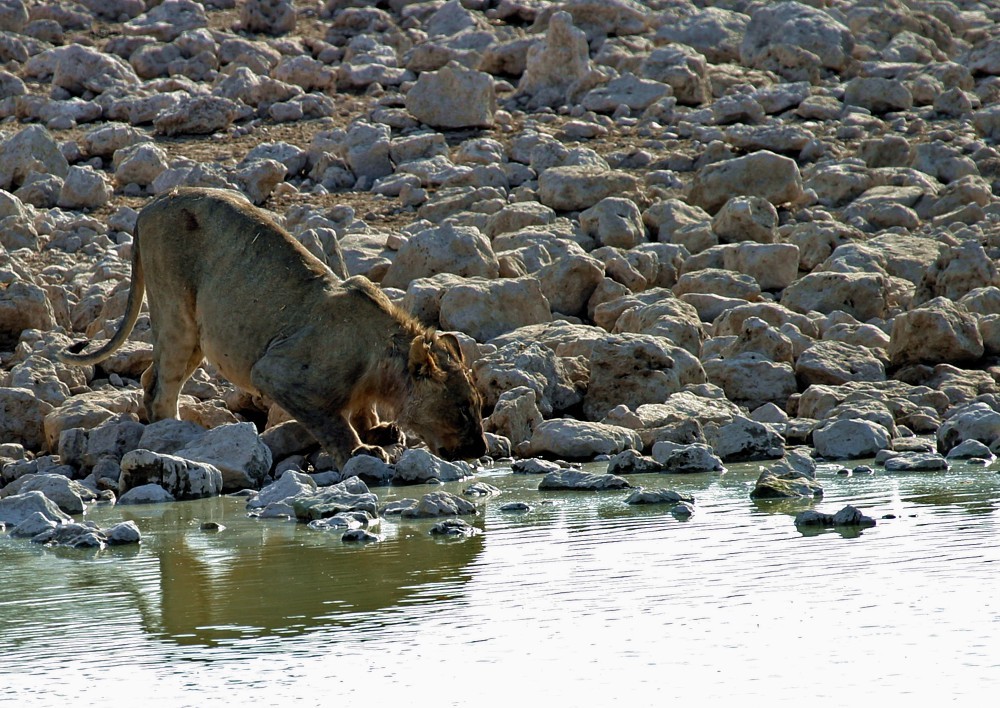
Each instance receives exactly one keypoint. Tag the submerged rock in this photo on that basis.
(658, 496)
(791, 484)
(438, 504)
(848, 516)
(454, 527)
(575, 479)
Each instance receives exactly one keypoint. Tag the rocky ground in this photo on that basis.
(674, 233)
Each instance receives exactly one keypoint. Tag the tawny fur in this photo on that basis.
(225, 283)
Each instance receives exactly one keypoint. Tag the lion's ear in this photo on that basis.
(421, 363)
(451, 344)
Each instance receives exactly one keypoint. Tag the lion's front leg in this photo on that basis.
(281, 376)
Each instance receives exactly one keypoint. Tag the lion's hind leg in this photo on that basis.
(162, 382)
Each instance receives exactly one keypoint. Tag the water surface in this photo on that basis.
(583, 601)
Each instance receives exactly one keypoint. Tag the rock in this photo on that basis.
(80, 70)
(359, 536)
(22, 418)
(743, 440)
(123, 533)
(18, 507)
(614, 221)
(714, 31)
(68, 495)
(485, 309)
(348, 496)
(554, 65)
(877, 94)
(746, 219)
(969, 449)
(274, 17)
(847, 438)
(480, 490)
(686, 459)
(197, 115)
(973, 421)
(752, 380)
(834, 363)
(84, 188)
(760, 174)
(636, 369)
(578, 440)
(790, 484)
(569, 282)
(168, 20)
(73, 535)
(782, 36)
(862, 295)
(139, 164)
(532, 466)
(182, 478)
(658, 496)
(534, 366)
(938, 331)
(627, 90)
(437, 504)
(418, 466)
(146, 494)
(27, 151)
(236, 451)
(370, 470)
(577, 480)
(35, 524)
(681, 68)
(916, 462)
(290, 485)
(631, 462)
(168, 436)
(848, 516)
(453, 97)
(461, 250)
(956, 272)
(773, 265)
(454, 528)
(574, 188)
(515, 415)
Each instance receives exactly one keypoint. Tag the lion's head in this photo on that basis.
(445, 409)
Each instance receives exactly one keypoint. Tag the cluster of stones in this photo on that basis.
(709, 234)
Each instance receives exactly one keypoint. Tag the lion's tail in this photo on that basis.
(132, 309)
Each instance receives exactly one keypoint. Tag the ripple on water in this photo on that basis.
(582, 596)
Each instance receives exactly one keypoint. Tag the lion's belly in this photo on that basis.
(232, 346)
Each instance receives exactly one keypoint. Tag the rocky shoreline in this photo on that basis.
(671, 234)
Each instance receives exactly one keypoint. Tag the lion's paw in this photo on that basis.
(371, 450)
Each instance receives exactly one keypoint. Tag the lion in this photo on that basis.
(225, 283)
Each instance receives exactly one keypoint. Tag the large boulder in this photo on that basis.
(485, 309)
(834, 363)
(555, 65)
(460, 250)
(183, 478)
(633, 369)
(938, 331)
(760, 174)
(850, 438)
(569, 439)
(238, 453)
(783, 36)
(453, 97)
